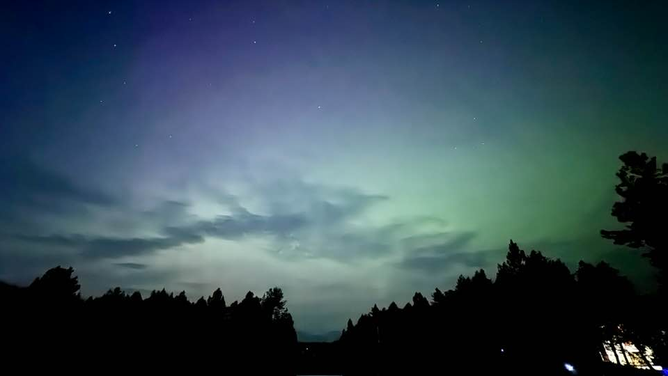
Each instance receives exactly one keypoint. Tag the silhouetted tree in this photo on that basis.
(536, 315)
(273, 304)
(57, 284)
(51, 320)
(136, 297)
(216, 302)
(201, 304)
(512, 266)
(643, 208)
(375, 312)
(438, 297)
(420, 302)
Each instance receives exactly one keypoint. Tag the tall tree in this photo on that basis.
(216, 301)
(273, 304)
(643, 209)
(57, 283)
(515, 260)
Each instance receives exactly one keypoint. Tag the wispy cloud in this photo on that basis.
(104, 247)
(132, 265)
(441, 252)
(303, 220)
(28, 186)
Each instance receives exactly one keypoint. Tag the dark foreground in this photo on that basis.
(329, 359)
(535, 318)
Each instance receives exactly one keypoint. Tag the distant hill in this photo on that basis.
(323, 337)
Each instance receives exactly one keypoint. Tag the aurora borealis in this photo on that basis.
(351, 152)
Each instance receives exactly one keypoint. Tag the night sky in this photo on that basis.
(351, 152)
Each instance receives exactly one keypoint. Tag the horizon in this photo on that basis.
(351, 153)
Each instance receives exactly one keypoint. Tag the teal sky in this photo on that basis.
(351, 152)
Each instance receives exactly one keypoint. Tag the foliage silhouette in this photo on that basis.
(643, 209)
(164, 332)
(532, 319)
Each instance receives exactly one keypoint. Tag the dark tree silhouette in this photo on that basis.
(51, 324)
(534, 318)
(273, 304)
(216, 301)
(643, 209)
(57, 284)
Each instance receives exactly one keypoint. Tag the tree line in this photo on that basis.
(48, 325)
(536, 316)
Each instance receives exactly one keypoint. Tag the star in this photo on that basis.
(319, 107)
(136, 145)
(109, 12)
(254, 42)
(114, 45)
(124, 83)
(474, 118)
(100, 101)
(190, 19)
(170, 136)
(253, 22)
(438, 5)
(480, 42)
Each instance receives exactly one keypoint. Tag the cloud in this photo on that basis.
(24, 184)
(245, 223)
(132, 265)
(32, 196)
(300, 220)
(318, 222)
(435, 264)
(167, 213)
(438, 243)
(448, 253)
(103, 247)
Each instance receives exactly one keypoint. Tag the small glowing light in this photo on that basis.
(109, 12)
(502, 350)
(114, 44)
(254, 42)
(569, 367)
(319, 107)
